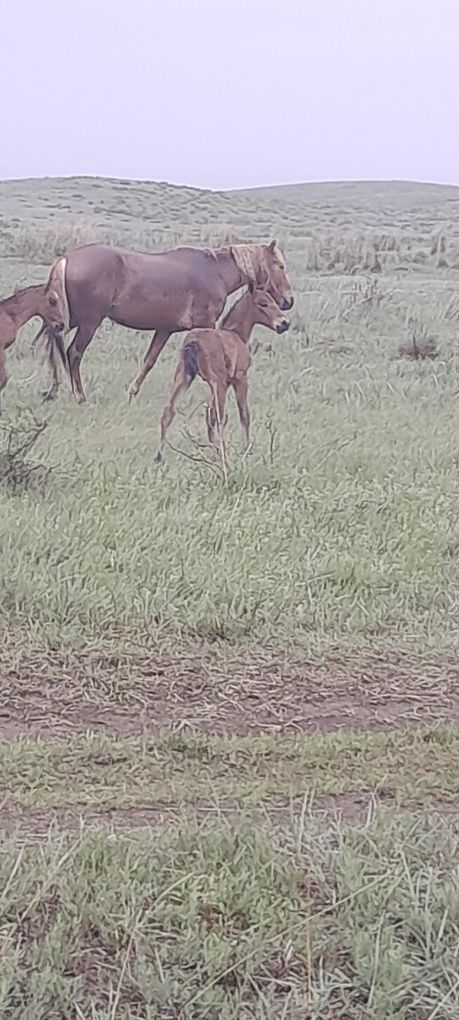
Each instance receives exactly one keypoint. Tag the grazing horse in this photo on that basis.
(221, 357)
(168, 292)
(15, 311)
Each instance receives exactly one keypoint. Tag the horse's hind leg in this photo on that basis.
(182, 382)
(82, 338)
(159, 340)
(240, 391)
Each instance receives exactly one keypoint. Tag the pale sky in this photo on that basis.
(230, 93)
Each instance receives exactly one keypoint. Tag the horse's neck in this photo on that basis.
(228, 270)
(240, 321)
(23, 306)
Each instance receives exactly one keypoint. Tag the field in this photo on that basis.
(229, 769)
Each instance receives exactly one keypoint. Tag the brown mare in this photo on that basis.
(15, 311)
(221, 357)
(167, 292)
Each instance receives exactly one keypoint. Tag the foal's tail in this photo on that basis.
(190, 360)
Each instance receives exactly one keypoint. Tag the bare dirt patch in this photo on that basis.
(46, 695)
(354, 808)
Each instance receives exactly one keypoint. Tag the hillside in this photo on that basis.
(154, 215)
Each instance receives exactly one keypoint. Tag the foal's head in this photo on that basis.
(265, 311)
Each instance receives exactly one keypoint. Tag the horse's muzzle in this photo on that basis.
(287, 304)
(282, 327)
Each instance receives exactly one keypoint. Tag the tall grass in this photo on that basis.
(341, 526)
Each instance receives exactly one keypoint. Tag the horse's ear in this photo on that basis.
(272, 246)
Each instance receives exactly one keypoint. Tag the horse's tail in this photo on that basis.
(57, 312)
(38, 336)
(54, 341)
(190, 360)
(56, 301)
(51, 341)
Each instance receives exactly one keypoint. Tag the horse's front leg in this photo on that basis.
(159, 340)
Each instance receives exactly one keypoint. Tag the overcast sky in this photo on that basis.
(230, 93)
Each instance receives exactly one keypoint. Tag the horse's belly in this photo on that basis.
(147, 312)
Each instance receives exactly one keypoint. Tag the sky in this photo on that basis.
(230, 93)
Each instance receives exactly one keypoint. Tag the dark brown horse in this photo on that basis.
(221, 357)
(167, 292)
(15, 311)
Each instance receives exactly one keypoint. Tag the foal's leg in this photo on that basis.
(240, 387)
(52, 391)
(181, 383)
(159, 340)
(3, 376)
(217, 417)
(82, 338)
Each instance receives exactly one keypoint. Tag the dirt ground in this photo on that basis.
(46, 697)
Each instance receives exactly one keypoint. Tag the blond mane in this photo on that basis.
(249, 259)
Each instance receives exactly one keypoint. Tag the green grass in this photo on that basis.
(219, 920)
(327, 561)
(342, 526)
(246, 772)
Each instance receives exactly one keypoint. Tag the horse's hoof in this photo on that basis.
(132, 392)
(48, 397)
(159, 457)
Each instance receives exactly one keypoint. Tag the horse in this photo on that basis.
(15, 311)
(221, 357)
(168, 292)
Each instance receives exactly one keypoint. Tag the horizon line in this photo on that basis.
(215, 190)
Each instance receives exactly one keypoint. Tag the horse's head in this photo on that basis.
(264, 266)
(276, 280)
(266, 311)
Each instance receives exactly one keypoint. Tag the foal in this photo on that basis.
(221, 357)
(15, 311)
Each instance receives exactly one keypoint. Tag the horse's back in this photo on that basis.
(171, 290)
(187, 263)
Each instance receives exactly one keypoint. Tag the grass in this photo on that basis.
(357, 545)
(176, 770)
(221, 920)
(315, 587)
